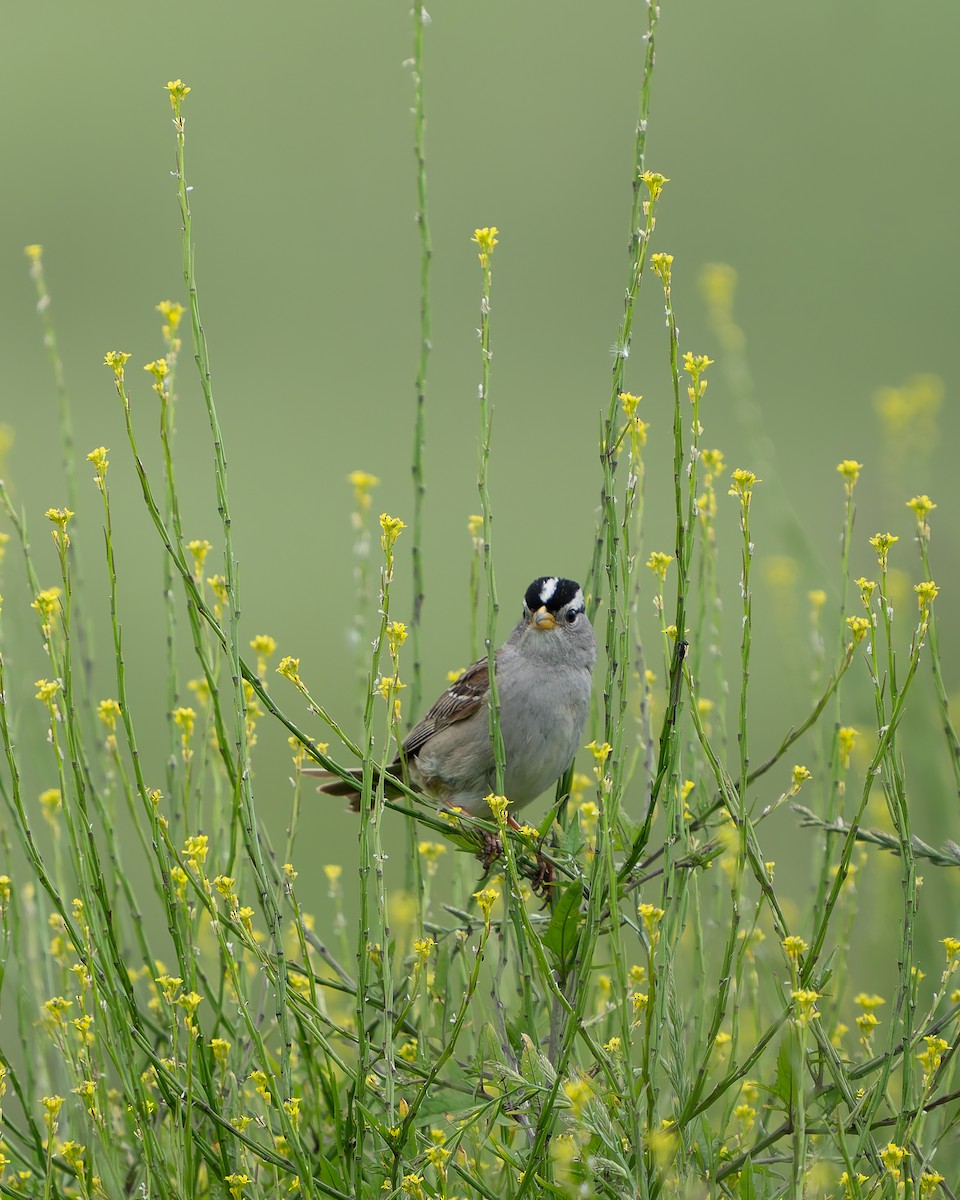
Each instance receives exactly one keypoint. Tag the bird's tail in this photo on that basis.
(352, 787)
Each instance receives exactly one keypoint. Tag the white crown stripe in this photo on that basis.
(548, 589)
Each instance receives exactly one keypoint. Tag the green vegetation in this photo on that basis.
(673, 1020)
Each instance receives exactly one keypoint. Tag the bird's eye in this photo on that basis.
(572, 616)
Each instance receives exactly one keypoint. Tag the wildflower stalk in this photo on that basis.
(642, 222)
(373, 948)
(164, 388)
(876, 762)
(243, 796)
(486, 239)
(922, 506)
(426, 253)
(67, 446)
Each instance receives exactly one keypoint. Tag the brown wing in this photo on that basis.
(461, 699)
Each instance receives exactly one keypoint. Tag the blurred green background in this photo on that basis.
(810, 146)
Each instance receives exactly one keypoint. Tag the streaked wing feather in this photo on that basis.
(461, 699)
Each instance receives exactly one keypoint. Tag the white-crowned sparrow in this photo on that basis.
(543, 675)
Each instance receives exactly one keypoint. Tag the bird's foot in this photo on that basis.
(492, 850)
(542, 876)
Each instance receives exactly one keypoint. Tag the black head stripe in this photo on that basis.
(552, 592)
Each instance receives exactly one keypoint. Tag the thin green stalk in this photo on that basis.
(486, 239)
(426, 253)
(67, 447)
(921, 506)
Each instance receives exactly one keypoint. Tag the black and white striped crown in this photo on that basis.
(554, 593)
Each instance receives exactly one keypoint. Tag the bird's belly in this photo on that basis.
(538, 752)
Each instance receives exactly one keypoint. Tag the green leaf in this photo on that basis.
(563, 933)
(783, 1088)
(748, 1188)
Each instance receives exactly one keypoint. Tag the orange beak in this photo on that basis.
(542, 619)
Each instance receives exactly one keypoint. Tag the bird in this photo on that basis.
(543, 676)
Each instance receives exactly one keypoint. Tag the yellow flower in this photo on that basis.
(184, 719)
(868, 1002)
(108, 711)
(794, 946)
(52, 1104)
(850, 470)
(115, 359)
(220, 1048)
(658, 563)
(46, 690)
(236, 1182)
(171, 311)
(33, 251)
(629, 402)
(743, 483)
(178, 91)
(412, 1186)
(392, 528)
(290, 669)
(600, 751)
(55, 1007)
(867, 1023)
(389, 685)
(931, 1058)
(46, 604)
(199, 549)
(718, 283)
(745, 1114)
(363, 483)
(100, 463)
(881, 542)
(798, 776)
(59, 518)
(159, 369)
(848, 1186)
(662, 1143)
(713, 462)
(662, 265)
(693, 364)
(486, 239)
(169, 985)
(396, 636)
(579, 1093)
(437, 1156)
(654, 182)
(952, 947)
(259, 1079)
(805, 1000)
(498, 806)
(892, 1156)
(485, 900)
(422, 948)
(927, 592)
(651, 917)
(219, 586)
(195, 849)
(922, 506)
(263, 645)
(189, 1001)
(859, 627)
